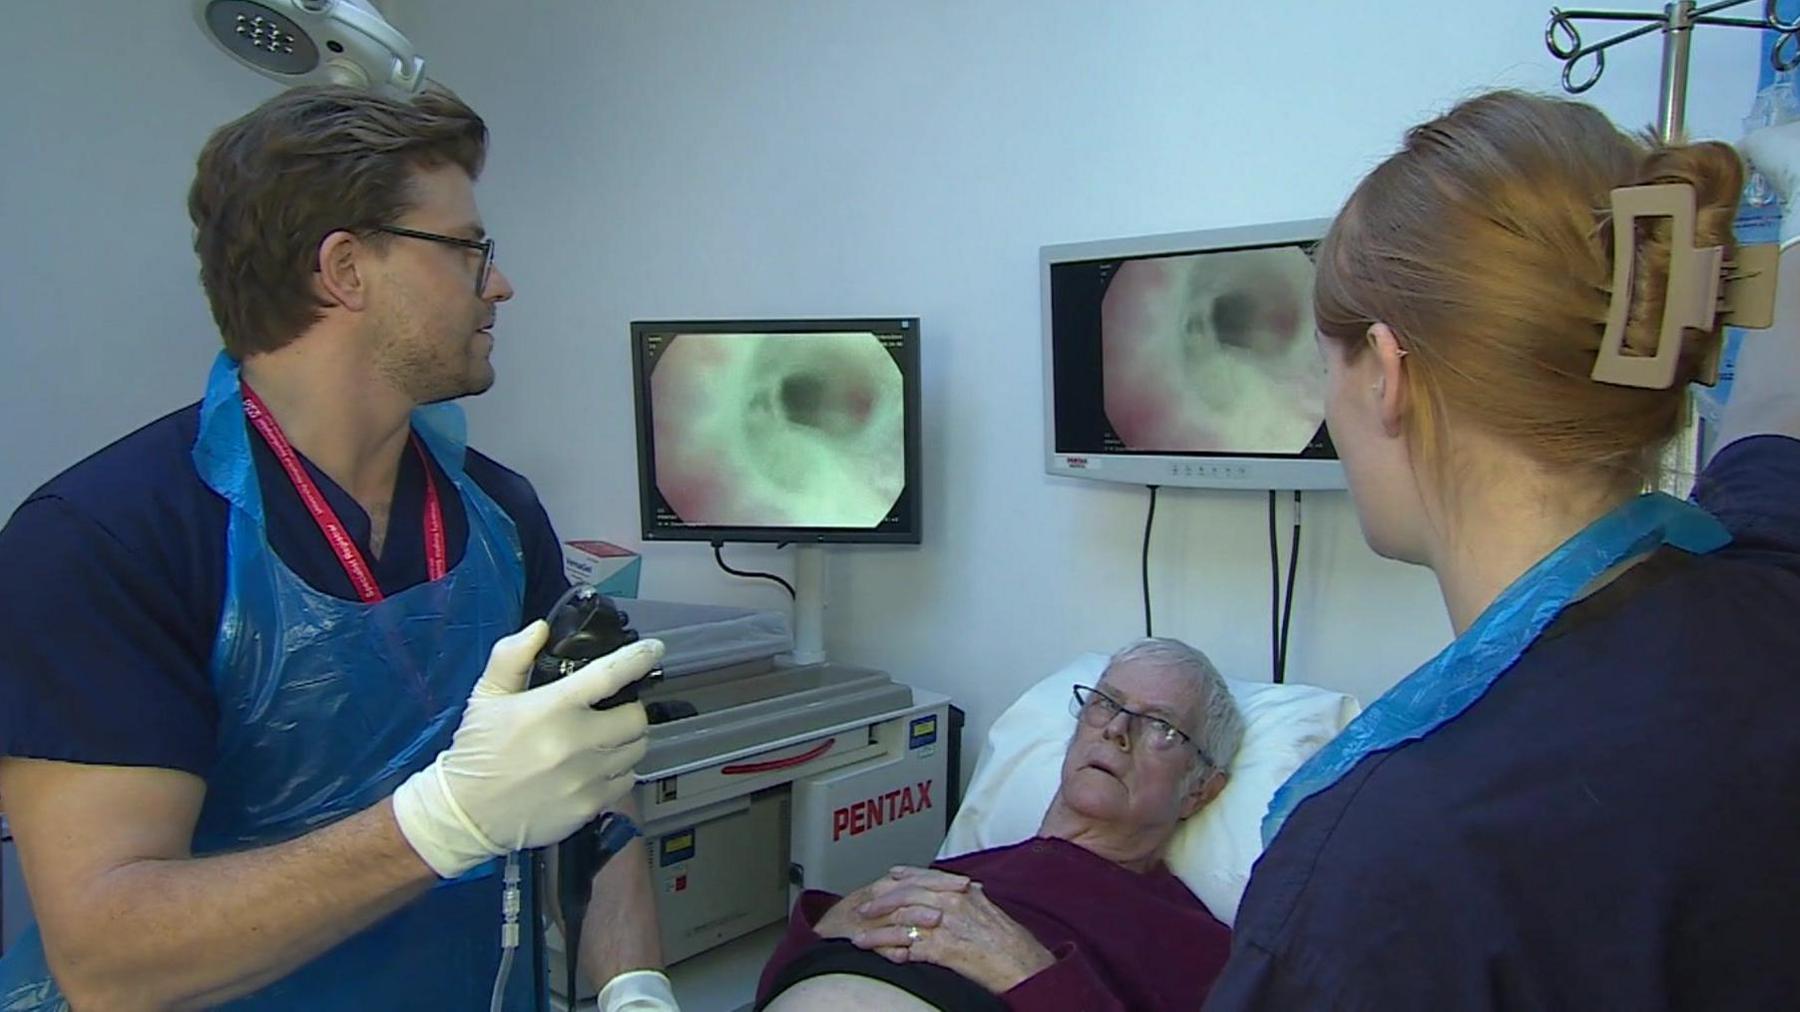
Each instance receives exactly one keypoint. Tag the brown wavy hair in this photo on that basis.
(271, 185)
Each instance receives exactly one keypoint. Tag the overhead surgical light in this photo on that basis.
(315, 42)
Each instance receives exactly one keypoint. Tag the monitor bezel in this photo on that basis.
(909, 530)
(1195, 470)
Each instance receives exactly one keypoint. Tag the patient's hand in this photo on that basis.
(962, 931)
(846, 918)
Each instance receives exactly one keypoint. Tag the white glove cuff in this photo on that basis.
(437, 827)
(637, 991)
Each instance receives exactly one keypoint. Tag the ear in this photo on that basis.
(1389, 362)
(1202, 793)
(341, 272)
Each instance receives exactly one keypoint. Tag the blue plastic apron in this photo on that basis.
(325, 706)
(1459, 676)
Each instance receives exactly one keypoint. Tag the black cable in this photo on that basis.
(1149, 520)
(719, 556)
(542, 884)
(534, 917)
(571, 955)
(1275, 673)
(539, 921)
(1287, 606)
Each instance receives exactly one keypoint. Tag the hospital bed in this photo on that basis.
(824, 776)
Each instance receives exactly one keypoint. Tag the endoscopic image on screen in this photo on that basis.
(778, 430)
(1213, 352)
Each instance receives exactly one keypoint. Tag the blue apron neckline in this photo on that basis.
(222, 451)
(1458, 676)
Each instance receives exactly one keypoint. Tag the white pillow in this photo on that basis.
(1021, 766)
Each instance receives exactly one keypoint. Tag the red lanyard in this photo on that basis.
(361, 577)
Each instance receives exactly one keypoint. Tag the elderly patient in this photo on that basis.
(1084, 915)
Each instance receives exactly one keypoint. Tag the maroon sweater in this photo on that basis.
(1121, 939)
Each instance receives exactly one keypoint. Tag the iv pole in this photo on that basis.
(1676, 23)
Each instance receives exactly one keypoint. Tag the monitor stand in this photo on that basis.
(809, 604)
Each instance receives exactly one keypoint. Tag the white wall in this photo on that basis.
(822, 157)
(104, 325)
(814, 157)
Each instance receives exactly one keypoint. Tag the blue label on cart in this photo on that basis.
(677, 847)
(921, 732)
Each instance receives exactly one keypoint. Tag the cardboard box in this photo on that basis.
(612, 569)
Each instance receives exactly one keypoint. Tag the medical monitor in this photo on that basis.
(1187, 359)
(796, 431)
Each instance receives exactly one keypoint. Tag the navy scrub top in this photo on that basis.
(1615, 825)
(113, 577)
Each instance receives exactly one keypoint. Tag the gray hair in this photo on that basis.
(1221, 726)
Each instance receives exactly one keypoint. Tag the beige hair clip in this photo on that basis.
(1704, 290)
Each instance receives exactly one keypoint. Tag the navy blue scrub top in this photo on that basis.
(113, 577)
(1615, 825)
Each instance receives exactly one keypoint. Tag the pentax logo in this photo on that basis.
(859, 817)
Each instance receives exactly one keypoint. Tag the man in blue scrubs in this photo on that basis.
(261, 737)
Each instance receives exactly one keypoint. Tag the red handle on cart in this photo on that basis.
(771, 765)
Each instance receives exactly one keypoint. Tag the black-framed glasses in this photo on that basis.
(486, 246)
(1097, 709)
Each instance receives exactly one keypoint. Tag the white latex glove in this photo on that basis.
(1775, 152)
(527, 767)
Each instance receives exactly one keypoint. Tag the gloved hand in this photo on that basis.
(527, 767)
(1775, 152)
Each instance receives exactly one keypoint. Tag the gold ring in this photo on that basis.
(913, 934)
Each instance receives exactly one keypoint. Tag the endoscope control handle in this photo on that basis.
(585, 625)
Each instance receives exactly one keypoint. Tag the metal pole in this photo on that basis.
(1678, 38)
(809, 604)
(1681, 461)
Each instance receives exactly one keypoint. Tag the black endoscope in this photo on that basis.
(585, 626)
